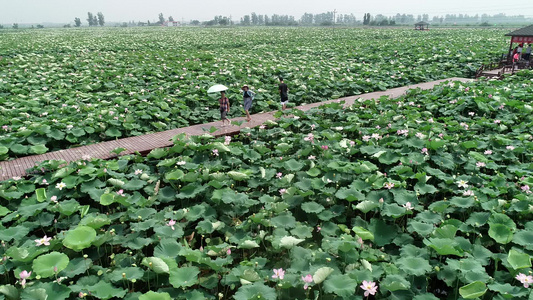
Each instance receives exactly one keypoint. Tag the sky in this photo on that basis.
(64, 11)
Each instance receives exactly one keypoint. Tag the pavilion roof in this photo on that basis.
(526, 31)
(422, 23)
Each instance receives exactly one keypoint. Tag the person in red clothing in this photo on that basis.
(224, 107)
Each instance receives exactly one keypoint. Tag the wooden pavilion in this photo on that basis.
(422, 26)
(521, 36)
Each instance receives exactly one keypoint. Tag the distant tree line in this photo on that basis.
(322, 19)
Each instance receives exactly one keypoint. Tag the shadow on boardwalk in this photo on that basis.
(148, 142)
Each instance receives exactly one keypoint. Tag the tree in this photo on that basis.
(170, 19)
(161, 18)
(101, 20)
(95, 21)
(247, 21)
(366, 19)
(77, 22)
(224, 21)
(90, 19)
(39, 26)
(15, 26)
(195, 22)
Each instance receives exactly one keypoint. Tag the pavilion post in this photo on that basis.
(509, 55)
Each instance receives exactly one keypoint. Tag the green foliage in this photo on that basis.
(193, 225)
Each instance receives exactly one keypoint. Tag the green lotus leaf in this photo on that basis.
(255, 291)
(79, 238)
(414, 265)
(156, 264)
(473, 290)
(518, 260)
(155, 296)
(184, 277)
(321, 274)
(341, 285)
(48, 265)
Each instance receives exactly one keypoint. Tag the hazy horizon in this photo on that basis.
(64, 11)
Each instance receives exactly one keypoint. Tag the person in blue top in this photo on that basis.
(248, 97)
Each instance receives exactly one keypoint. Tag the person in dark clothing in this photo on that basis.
(224, 107)
(284, 93)
(248, 97)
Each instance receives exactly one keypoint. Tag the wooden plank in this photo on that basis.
(145, 143)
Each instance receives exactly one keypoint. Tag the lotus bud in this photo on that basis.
(85, 256)
(437, 268)
(123, 275)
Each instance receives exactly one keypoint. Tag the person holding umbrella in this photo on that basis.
(224, 107)
(248, 97)
(223, 101)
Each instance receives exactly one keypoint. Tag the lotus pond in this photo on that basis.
(423, 197)
(64, 88)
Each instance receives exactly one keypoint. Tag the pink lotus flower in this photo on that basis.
(43, 241)
(525, 188)
(497, 121)
(227, 140)
(310, 138)
(278, 175)
(120, 192)
(54, 199)
(171, 223)
(278, 273)
(487, 152)
(424, 151)
(23, 276)
(388, 185)
(138, 172)
(404, 132)
(282, 191)
(525, 280)
(376, 136)
(366, 138)
(228, 252)
(325, 147)
(509, 148)
(369, 287)
(468, 193)
(215, 152)
(307, 279)
(352, 143)
(408, 206)
(480, 164)
(311, 157)
(61, 186)
(262, 127)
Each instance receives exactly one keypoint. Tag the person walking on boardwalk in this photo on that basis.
(284, 93)
(224, 107)
(248, 97)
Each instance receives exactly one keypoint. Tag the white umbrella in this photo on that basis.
(217, 88)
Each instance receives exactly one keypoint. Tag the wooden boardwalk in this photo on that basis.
(145, 143)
